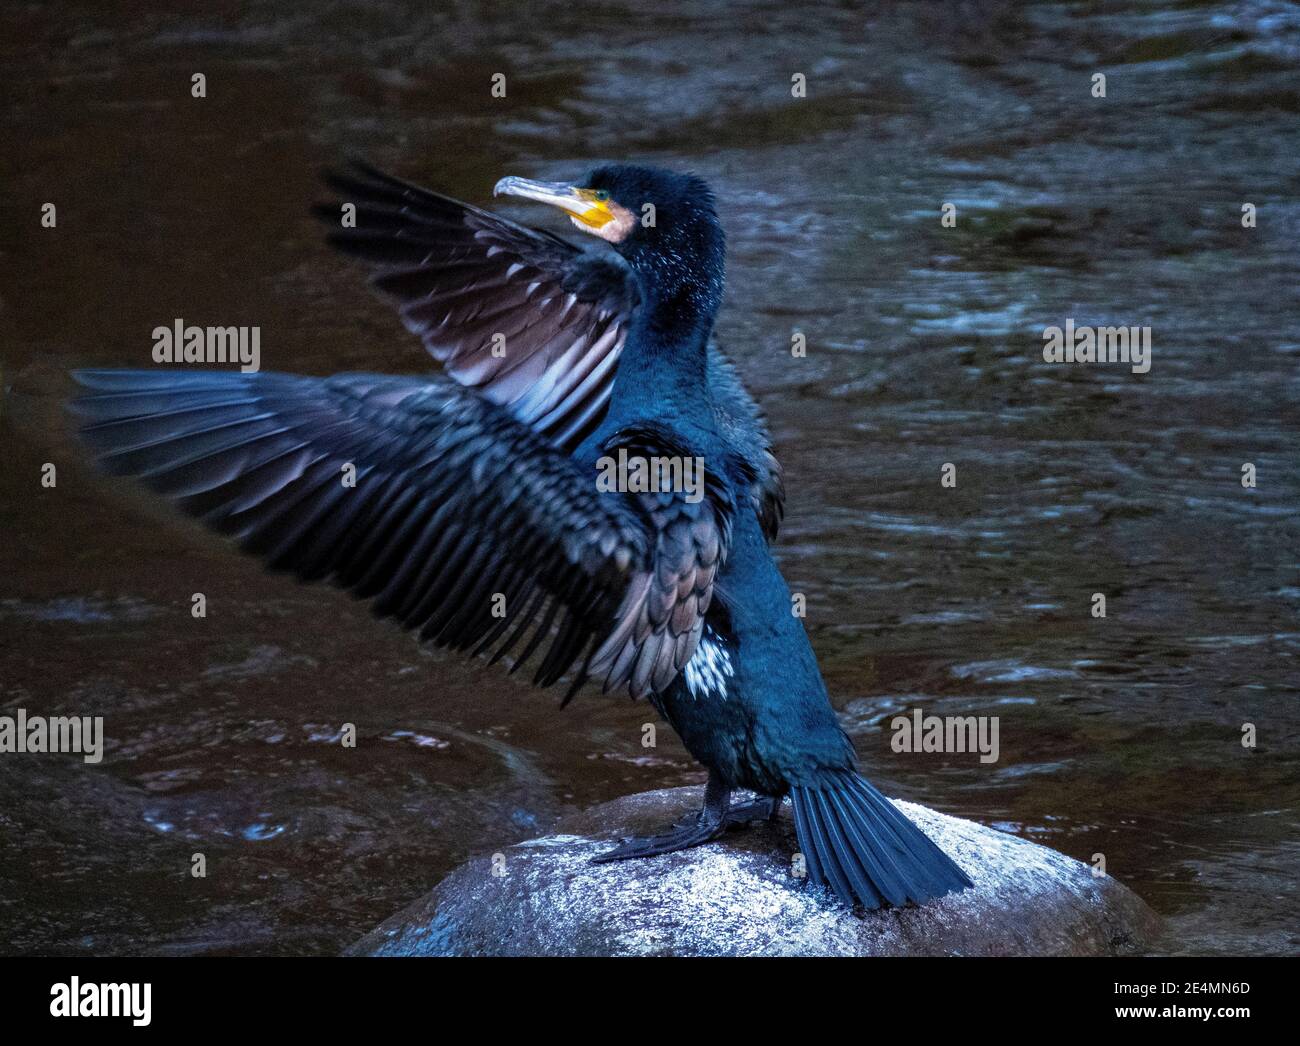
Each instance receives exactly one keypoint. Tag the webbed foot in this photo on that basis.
(651, 845)
(716, 816)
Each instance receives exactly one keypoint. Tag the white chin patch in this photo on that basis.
(615, 230)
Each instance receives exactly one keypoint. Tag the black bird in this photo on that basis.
(475, 515)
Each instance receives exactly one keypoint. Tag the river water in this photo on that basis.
(1119, 736)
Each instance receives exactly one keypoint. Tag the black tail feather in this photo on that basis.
(856, 841)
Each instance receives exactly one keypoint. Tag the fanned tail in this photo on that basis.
(856, 841)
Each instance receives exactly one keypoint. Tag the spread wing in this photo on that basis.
(525, 317)
(530, 321)
(456, 518)
(662, 617)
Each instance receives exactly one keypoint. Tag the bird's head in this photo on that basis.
(663, 223)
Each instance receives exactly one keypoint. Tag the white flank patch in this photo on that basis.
(709, 668)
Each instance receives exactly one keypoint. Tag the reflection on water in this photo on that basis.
(1118, 736)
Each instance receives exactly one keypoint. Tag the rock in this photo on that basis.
(736, 896)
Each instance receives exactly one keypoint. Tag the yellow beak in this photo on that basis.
(581, 204)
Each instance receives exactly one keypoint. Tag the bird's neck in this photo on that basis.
(666, 355)
(666, 352)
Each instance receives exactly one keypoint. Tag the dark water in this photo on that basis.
(1119, 736)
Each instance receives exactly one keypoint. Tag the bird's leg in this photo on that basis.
(760, 808)
(707, 825)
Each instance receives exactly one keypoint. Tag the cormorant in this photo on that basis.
(474, 514)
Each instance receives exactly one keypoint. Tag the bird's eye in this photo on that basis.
(602, 194)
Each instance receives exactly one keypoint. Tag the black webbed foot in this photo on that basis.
(682, 838)
(710, 823)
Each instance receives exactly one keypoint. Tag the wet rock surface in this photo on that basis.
(737, 896)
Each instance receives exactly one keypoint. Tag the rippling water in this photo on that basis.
(1118, 736)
